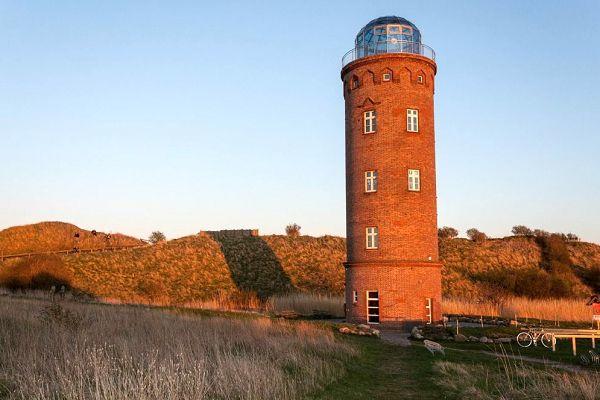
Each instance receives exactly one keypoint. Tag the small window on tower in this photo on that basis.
(370, 181)
(355, 82)
(370, 118)
(414, 180)
(412, 120)
(420, 78)
(372, 237)
(387, 77)
(354, 297)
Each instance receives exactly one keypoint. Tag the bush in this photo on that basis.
(157, 237)
(530, 282)
(521, 230)
(572, 237)
(476, 235)
(591, 277)
(39, 272)
(539, 233)
(447, 232)
(293, 230)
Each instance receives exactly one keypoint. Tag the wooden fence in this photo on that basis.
(71, 251)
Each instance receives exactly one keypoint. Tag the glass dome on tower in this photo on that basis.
(389, 34)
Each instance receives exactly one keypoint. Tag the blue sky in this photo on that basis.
(183, 116)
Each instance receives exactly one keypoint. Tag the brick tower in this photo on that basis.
(393, 273)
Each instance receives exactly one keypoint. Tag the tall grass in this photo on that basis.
(573, 310)
(514, 380)
(87, 351)
(307, 304)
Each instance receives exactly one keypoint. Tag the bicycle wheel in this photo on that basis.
(546, 340)
(524, 339)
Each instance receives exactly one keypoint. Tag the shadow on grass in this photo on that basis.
(253, 265)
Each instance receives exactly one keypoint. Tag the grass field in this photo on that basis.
(88, 351)
(71, 351)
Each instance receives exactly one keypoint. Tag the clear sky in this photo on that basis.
(184, 116)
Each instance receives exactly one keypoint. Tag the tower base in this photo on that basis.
(398, 294)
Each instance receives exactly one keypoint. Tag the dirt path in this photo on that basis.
(395, 337)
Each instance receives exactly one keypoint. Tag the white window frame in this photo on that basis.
(370, 121)
(386, 77)
(412, 120)
(429, 308)
(354, 297)
(373, 311)
(420, 79)
(371, 237)
(414, 180)
(371, 181)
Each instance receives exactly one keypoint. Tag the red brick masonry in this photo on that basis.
(405, 268)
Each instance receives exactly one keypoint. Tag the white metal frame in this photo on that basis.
(414, 180)
(387, 77)
(354, 297)
(370, 121)
(370, 181)
(373, 311)
(372, 237)
(429, 308)
(412, 120)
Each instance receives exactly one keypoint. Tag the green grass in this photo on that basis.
(387, 371)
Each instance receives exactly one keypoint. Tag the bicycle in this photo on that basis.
(527, 338)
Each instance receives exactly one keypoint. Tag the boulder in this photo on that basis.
(473, 339)
(460, 338)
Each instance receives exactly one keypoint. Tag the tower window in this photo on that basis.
(370, 121)
(387, 77)
(414, 180)
(420, 78)
(372, 237)
(370, 181)
(355, 82)
(412, 120)
(354, 297)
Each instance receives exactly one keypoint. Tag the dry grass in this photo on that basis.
(307, 304)
(53, 236)
(77, 351)
(512, 380)
(572, 310)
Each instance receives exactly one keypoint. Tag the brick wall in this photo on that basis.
(405, 266)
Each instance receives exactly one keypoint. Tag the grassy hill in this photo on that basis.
(202, 266)
(53, 236)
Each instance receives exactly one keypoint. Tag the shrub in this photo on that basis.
(572, 237)
(591, 277)
(530, 282)
(293, 230)
(521, 230)
(157, 237)
(476, 235)
(38, 272)
(539, 233)
(447, 232)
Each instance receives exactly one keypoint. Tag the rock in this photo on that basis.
(504, 340)
(375, 332)
(483, 339)
(364, 327)
(460, 338)
(345, 329)
(473, 339)
(513, 322)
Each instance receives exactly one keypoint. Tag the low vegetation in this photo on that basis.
(521, 308)
(83, 351)
(512, 380)
(56, 236)
(308, 304)
(40, 272)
